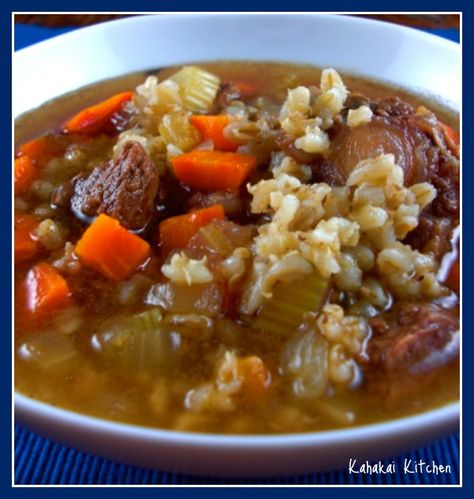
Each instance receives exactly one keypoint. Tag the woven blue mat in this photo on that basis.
(38, 460)
(41, 461)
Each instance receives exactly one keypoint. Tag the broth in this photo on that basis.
(74, 373)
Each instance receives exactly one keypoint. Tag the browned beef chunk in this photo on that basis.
(408, 351)
(444, 175)
(388, 107)
(442, 168)
(413, 338)
(428, 123)
(433, 235)
(124, 188)
(391, 107)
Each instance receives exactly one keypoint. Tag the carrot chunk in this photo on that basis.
(26, 246)
(111, 249)
(93, 119)
(25, 172)
(175, 232)
(245, 89)
(453, 276)
(213, 170)
(45, 291)
(43, 148)
(450, 133)
(212, 128)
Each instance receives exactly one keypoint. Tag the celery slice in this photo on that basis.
(282, 313)
(176, 129)
(216, 239)
(139, 342)
(197, 87)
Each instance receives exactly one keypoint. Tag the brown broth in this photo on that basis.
(90, 385)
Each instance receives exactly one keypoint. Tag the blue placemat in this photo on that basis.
(38, 460)
(449, 33)
(41, 461)
(27, 34)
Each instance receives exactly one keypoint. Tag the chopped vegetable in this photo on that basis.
(26, 246)
(282, 313)
(139, 341)
(206, 299)
(54, 353)
(46, 291)
(176, 129)
(304, 360)
(453, 277)
(95, 118)
(25, 173)
(197, 87)
(254, 375)
(112, 250)
(213, 170)
(222, 237)
(175, 232)
(450, 133)
(43, 148)
(212, 128)
(216, 239)
(244, 88)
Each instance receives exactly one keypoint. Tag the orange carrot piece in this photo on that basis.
(45, 291)
(43, 148)
(25, 172)
(451, 133)
(111, 249)
(254, 375)
(212, 128)
(94, 118)
(26, 246)
(453, 277)
(245, 89)
(213, 170)
(176, 232)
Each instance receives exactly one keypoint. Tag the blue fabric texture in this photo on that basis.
(26, 34)
(38, 460)
(451, 33)
(41, 461)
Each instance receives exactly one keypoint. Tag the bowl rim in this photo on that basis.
(446, 414)
(349, 17)
(436, 417)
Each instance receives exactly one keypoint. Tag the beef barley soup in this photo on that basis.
(238, 248)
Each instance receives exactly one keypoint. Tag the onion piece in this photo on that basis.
(139, 342)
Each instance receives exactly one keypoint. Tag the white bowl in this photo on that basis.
(404, 57)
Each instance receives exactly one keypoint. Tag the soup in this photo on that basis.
(238, 248)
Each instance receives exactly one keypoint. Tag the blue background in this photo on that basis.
(41, 461)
